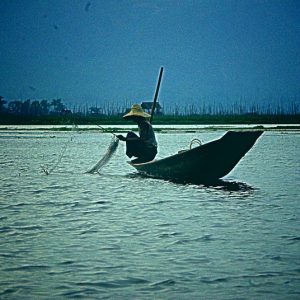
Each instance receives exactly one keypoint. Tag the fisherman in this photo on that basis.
(144, 146)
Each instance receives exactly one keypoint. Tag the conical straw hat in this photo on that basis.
(136, 111)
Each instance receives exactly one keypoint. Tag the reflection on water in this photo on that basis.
(231, 186)
(119, 235)
(225, 185)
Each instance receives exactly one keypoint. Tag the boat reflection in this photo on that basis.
(220, 184)
(230, 189)
(231, 186)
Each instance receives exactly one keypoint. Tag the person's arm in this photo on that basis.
(123, 138)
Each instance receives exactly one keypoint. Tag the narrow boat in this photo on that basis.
(205, 163)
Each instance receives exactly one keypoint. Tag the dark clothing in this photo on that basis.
(138, 147)
(146, 133)
(143, 147)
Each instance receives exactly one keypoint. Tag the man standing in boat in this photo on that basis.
(144, 146)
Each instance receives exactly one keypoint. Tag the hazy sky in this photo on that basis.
(94, 51)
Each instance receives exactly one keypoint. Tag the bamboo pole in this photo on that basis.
(156, 93)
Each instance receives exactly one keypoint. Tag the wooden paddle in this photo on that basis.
(156, 93)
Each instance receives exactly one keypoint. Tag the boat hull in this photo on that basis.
(205, 163)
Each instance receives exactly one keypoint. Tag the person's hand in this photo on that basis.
(121, 137)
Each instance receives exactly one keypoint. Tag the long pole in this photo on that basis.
(156, 93)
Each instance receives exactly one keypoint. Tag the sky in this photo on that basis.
(111, 51)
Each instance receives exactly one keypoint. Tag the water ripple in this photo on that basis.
(166, 282)
(122, 236)
(28, 268)
(204, 238)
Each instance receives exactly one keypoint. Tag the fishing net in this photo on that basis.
(49, 169)
(107, 156)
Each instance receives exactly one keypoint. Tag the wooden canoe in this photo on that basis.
(206, 163)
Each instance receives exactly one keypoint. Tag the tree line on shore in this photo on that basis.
(56, 107)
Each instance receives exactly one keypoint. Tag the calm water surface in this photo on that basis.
(120, 236)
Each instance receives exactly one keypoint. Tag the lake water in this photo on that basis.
(120, 236)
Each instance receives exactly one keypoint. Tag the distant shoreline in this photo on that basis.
(63, 120)
(114, 128)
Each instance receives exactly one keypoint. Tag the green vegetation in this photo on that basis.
(9, 119)
(228, 119)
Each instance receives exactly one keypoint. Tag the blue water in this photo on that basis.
(120, 236)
